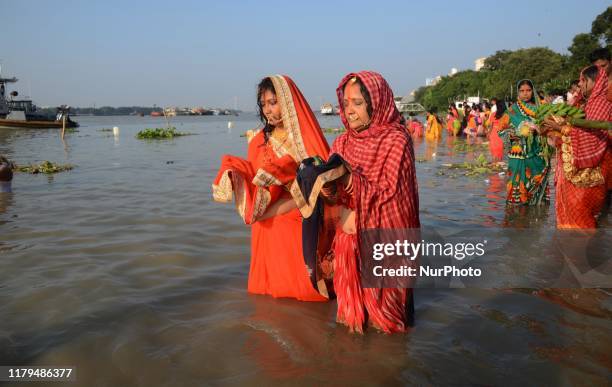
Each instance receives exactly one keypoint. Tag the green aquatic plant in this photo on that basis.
(46, 167)
(160, 133)
(479, 166)
(464, 147)
(333, 130)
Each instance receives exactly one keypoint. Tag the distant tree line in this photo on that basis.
(116, 111)
(550, 71)
(105, 110)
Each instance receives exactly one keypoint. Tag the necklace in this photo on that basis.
(525, 110)
(280, 136)
(279, 145)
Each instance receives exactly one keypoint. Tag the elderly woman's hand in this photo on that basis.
(347, 182)
(552, 124)
(329, 191)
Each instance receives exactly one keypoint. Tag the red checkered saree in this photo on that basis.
(385, 195)
(577, 205)
(589, 147)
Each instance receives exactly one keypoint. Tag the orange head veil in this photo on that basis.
(255, 189)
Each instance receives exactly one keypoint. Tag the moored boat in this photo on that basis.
(22, 113)
(327, 109)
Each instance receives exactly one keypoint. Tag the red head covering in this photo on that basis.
(385, 196)
(385, 115)
(589, 147)
(381, 158)
(299, 119)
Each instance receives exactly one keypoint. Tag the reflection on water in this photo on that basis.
(126, 269)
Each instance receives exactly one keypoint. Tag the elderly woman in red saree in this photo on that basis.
(584, 161)
(380, 192)
(260, 187)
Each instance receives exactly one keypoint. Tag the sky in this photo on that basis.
(213, 53)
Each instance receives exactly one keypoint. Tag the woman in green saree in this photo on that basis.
(528, 152)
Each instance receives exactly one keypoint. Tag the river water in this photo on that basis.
(127, 270)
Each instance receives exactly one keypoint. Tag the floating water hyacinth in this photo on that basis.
(333, 130)
(46, 167)
(160, 133)
(460, 146)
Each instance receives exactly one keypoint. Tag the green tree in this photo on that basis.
(497, 60)
(582, 47)
(602, 27)
(549, 70)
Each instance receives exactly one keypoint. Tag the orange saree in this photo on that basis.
(260, 181)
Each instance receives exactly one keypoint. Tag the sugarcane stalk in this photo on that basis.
(590, 124)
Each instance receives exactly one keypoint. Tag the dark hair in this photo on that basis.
(591, 72)
(364, 92)
(433, 113)
(265, 85)
(600, 53)
(466, 116)
(501, 108)
(574, 83)
(527, 82)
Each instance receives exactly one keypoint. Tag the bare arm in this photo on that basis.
(281, 206)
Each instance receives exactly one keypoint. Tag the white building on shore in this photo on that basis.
(433, 81)
(479, 63)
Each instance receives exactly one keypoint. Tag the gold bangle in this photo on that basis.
(566, 129)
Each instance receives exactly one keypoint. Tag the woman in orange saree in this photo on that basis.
(260, 187)
(499, 120)
(452, 119)
(584, 159)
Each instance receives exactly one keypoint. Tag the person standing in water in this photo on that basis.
(259, 186)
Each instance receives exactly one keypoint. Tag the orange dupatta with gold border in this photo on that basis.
(255, 187)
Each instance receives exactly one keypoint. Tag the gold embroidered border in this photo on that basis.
(222, 192)
(280, 149)
(290, 119)
(262, 200)
(232, 186)
(240, 192)
(265, 179)
(582, 178)
(307, 206)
